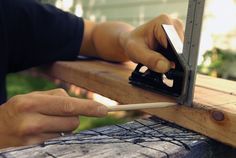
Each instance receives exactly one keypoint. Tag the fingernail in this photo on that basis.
(163, 66)
(102, 110)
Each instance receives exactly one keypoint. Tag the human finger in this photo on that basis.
(40, 138)
(150, 58)
(159, 32)
(60, 106)
(38, 123)
(58, 91)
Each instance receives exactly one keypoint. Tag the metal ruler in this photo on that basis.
(191, 45)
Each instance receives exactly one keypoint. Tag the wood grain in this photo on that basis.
(213, 114)
(216, 84)
(141, 138)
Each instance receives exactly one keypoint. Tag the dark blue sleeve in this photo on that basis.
(39, 34)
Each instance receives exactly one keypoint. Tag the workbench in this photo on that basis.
(151, 137)
(213, 115)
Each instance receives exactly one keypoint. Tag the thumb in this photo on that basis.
(152, 59)
(156, 62)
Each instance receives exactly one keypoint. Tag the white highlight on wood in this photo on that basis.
(140, 106)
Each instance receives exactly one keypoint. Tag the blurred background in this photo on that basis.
(217, 49)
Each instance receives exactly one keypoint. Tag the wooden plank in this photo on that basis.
(216, 84)
(213, 114)
(140, 138)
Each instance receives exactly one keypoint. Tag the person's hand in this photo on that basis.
(38, 116)
(139, 45)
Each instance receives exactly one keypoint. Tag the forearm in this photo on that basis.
(103, 40)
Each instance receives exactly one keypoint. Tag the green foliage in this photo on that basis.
(88, 122)
(217, 60)
(23, 83)
(222, 57)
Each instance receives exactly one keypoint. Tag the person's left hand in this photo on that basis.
(139, 45)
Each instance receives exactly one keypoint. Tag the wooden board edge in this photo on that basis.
(201, 116)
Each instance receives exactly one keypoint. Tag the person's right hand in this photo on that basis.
(38, 116)
(140, 44)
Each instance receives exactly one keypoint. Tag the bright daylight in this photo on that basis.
(118, 78)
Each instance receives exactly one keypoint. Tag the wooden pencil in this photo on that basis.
(140, 106)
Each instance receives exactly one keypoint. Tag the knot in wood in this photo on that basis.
(218, 116)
